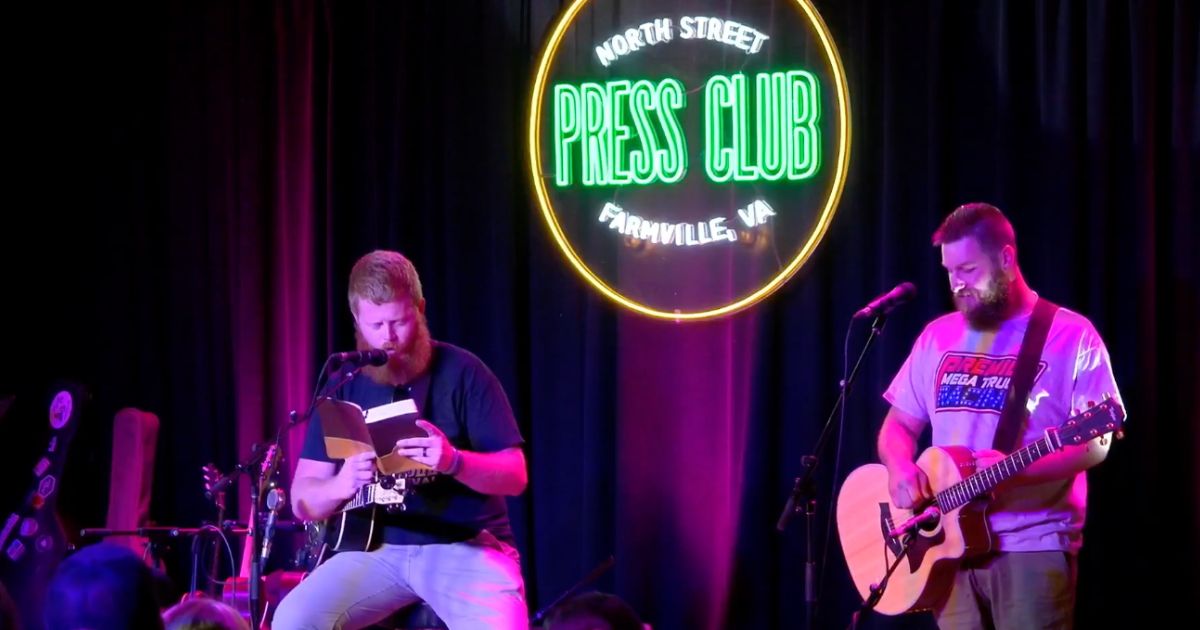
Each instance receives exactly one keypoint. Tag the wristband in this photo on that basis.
(455, 463)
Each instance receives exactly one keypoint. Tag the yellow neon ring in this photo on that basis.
(843, 159)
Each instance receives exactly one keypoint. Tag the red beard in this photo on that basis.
(405, 364)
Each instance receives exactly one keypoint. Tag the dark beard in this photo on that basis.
(992, 307)
(403, 367)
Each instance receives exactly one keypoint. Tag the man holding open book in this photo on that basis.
(451, 546)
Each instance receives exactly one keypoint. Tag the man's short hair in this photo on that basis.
(383, 276)
(983, 221)
(202, 613)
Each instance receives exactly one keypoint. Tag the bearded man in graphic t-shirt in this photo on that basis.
(956, 379)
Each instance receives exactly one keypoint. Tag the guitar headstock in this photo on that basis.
(212, 475)
(1097, 420)
(214, 489)
(270, 460)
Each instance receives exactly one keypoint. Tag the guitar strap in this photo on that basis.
(1012, 417)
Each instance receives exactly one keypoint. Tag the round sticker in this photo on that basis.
(60, 409)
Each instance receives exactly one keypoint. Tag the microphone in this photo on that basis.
(276, 499)
(930, 515)
(360, 358)
(884, 304)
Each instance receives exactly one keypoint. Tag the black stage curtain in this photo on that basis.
(190, 183)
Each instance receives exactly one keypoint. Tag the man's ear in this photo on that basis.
(1008, 259)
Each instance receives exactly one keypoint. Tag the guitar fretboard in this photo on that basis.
(986, 480)
(1107, 417)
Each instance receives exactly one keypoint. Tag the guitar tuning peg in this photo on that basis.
(1119, 434)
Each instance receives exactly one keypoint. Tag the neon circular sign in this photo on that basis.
(688, 161)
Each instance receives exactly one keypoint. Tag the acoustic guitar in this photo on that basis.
(353, 527)
(926, 546)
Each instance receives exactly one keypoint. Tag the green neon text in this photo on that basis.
(781, 141)
(619, 133)
(624, 132)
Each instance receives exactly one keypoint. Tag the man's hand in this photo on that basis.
(433, 450)
(986, 458)
(897, 444)
(908, 485)
(357, 471)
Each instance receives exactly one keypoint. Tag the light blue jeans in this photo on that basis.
(474, 584)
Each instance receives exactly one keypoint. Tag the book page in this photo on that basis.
(389, 423)
(345, 431)
(350, 430)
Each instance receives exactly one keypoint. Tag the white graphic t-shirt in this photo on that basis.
(957, 379)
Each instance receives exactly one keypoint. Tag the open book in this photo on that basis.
(349, 430)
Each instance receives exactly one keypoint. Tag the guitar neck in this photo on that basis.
(367, 495)
(364, 496)
(986, 480)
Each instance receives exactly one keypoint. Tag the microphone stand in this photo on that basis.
(157, 534)
(876, 589)
(256, 536)
(804, 495)
(256, 489)
(267, 460)
(257, 486)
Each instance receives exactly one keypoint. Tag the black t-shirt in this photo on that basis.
(465, 400)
